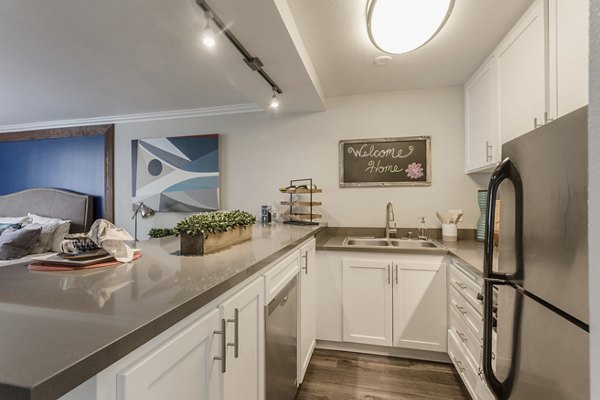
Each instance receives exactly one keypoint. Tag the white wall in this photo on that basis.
(262, 152)
(594, 197)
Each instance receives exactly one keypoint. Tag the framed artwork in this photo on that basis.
(401, 161)
(178, 174)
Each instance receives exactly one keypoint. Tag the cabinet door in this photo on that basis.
(329, 296)
(420, 306)
(481, 132)
(568, 55)
(181, 368)
(521, 71)
(307, 310)
(244, 376)
(367, 301)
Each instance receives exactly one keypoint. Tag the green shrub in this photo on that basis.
(160, 232)
(213, 222)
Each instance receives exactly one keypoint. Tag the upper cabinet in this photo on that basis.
(538, 72)
(481, 140)
(568, 41)
(521, 70)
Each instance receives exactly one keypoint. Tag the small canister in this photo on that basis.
(449, 233)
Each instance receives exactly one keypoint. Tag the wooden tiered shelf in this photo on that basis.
(299, 217)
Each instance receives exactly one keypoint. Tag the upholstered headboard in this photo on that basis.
(55, 203)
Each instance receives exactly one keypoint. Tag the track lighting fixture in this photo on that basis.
(254, 63)
(274, 100)
(208, 36)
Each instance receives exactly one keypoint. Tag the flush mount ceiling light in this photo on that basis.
(400, 26)
(254, 63)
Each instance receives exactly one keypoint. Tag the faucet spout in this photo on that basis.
(389, 217)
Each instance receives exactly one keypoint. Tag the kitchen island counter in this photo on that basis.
(59, 329)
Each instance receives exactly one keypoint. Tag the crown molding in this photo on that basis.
(143, 117)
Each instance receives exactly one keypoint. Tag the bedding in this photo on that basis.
(16, 243)
(53, 232)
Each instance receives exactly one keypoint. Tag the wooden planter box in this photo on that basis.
(197, 245)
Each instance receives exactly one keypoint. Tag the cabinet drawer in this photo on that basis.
(471, 317)
(467, 287)
(278, 276)
(467, 339)
(467, 371)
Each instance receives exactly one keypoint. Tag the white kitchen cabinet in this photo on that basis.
(394, 300)
(329, 296)
(482, 150)
(419, 305)
(367, 301)
(307, 309)
(182, 367)
(568, 47)
(521, 74)
(244, 312)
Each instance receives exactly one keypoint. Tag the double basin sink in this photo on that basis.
(391, 243)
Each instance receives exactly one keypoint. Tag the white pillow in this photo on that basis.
(14, 220)
(53, 230)
(59, 235)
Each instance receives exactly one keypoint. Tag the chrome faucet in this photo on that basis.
(389, 217)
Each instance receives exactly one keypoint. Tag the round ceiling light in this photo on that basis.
(400, 26)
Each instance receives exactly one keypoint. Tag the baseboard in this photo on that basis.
(384, 351)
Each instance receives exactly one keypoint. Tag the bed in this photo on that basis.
(47, 202)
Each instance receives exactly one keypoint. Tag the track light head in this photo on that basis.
(274, 101)
(208, 36)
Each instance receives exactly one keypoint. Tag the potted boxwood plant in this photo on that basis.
(208, 232)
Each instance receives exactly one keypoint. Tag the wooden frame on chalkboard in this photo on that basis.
(385, 162)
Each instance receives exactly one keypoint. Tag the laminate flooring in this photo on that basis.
(337, 375)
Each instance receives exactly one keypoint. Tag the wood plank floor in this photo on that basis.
(336, 375)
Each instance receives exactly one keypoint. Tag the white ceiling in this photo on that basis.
(72, 60)
(336, 38)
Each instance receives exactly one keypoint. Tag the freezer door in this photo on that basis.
(551, 360)
(552, 164)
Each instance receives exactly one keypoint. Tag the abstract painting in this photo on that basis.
(176, 173)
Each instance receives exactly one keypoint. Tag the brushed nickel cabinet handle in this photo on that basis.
(461, 336)
(223, 357)
(236, 333)
(389, 274)
(305, 268)
(396, 274)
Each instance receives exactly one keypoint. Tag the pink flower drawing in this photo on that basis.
(414, 171)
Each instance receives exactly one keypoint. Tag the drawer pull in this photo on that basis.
(480, 297)
(460, 309)
(461, 336)
(236, 333)
(458, 364)
(460, 285)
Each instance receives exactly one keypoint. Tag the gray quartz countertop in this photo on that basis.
(58, 329)
(469, 252)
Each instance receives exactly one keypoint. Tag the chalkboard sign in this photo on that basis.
(386, 162)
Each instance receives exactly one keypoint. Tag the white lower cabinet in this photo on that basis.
(220, 356)
(419, 298)
(183, 367)
(395, 301)
(465, 329)
(245, 348)
(307, 306)
(367, 301)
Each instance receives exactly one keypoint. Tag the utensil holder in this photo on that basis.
(449, 233)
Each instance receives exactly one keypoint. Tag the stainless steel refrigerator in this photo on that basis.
(536, 312)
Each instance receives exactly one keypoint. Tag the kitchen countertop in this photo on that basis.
(59, 329)
(470, 252)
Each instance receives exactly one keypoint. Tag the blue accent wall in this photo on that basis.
(75, 163)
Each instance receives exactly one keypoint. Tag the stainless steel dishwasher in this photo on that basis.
(281, 343)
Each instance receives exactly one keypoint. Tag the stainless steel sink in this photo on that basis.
(362, 242)
(391, 243)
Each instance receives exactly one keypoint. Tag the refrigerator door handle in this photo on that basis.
(505, 171)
